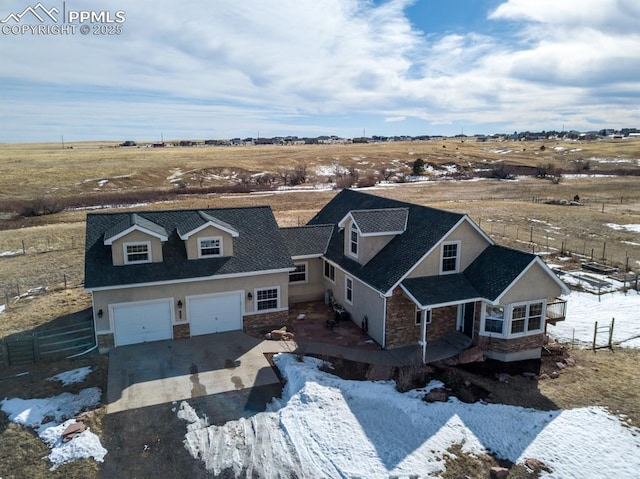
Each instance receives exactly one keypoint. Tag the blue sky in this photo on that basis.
(236, 68)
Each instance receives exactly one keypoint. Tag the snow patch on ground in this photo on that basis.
(32, 412)
(634, 228)
(11, 253)
(84, 446)
(584, 309)
(71, 377)
(328, 427)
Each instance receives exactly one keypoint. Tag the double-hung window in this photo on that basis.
(300, 273)
(535, 317)
(353, 243)
(526, 318)
(329, 271)
(139, 252)
(494, 319)
(450, 257)
(209, 247)
(266, 298)
(348, 290)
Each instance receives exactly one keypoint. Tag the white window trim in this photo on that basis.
(137, 243)
(348, 279)
(508, 319)
(425, 316)
(333, 281)
(354, 229)
(527, 305)
(255, 299)
(306, 272)
(209, 238)
(458, 244)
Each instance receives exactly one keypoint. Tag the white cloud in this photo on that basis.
(392, 119)
(236, 65)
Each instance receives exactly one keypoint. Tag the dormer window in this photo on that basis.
(353, 248)
(139, 252)
(210, 247)
(450, 257)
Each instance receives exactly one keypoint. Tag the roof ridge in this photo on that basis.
(397, 208)
(324, 225)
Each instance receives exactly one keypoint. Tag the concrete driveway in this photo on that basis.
(161, 372)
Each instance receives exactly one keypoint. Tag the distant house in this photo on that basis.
(405, 273)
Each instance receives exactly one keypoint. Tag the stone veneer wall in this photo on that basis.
(499, 345)
(443, 322)
(105, 342)
(401, 328)
(265, 321)
(181, 331)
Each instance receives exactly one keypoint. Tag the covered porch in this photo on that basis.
(313, 334)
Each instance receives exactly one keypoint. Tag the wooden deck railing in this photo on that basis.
(556, 310)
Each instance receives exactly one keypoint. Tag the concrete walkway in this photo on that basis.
(436, 351)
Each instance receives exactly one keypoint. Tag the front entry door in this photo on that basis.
(467, 319)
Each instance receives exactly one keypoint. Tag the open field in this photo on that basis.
(39, 169)
(509, 211)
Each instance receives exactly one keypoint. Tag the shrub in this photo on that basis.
(40, 206)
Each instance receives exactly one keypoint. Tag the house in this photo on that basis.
(405, 273)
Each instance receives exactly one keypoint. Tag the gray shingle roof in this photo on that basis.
(307, 240)
(425, 228)
(259, 247)
(133, 219)
(447, 288)
(381, 220)
(496, 268)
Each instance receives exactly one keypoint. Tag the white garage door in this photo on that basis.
(142, 322)
(215, 313)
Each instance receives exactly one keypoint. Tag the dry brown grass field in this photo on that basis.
(512, 212)
(29, 170)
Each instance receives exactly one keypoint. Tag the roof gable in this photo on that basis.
(378, 222)
(496, 268)
(196, 221)
(134, 222)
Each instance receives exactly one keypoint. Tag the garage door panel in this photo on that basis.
(142, 322)
(215, 314)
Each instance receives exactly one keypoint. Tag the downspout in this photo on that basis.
(384, 321)
(424, 338)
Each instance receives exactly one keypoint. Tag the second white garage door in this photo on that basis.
(214, 313)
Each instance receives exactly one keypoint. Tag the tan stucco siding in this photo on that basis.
(366, 302)
(368, 246)
(209, 232)
(117, 248)
(314, 288)
(472, 243)
(178, 291)
(534, 284)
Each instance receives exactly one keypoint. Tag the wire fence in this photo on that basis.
(546, 240)
(26, 269)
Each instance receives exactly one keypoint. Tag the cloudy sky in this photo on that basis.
(236, 68)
